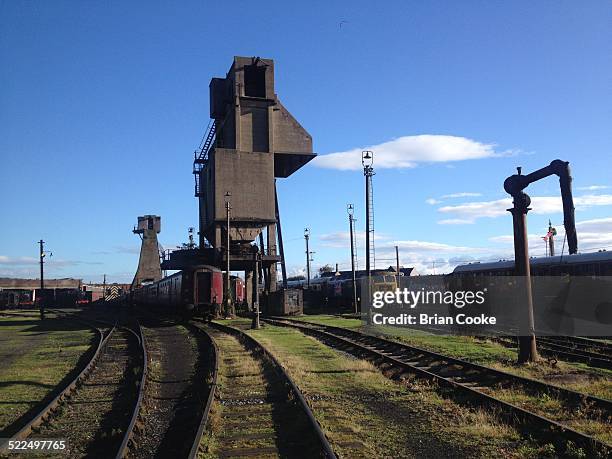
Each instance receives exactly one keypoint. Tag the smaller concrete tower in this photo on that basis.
(149, 269)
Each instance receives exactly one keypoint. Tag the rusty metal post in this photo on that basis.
(527, 340)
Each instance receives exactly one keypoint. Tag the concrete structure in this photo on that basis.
(252, 141)
(149, 269)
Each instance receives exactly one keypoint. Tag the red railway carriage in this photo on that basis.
(238, 290)
(208, 288)
(198, 289)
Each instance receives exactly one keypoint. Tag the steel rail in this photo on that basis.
(572, 354)
(566, 348)
(45, 412)
(195, 447)
(128, 436)
(557, 351)
(579, 344)
(515, 415)
(251, 342)
(561, 392)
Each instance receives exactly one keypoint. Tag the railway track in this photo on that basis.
(565, 348)
(96, 413)
(181, 366)
(592, 352)
(21, 431)
(476, 384)
(258, 411)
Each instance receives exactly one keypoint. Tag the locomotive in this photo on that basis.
(335, 290)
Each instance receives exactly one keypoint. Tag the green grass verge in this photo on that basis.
(354, 401)
(36, 356)
(576, 376)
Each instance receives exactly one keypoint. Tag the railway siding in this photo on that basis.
(94, 420)
(574, 376)
(36, 361)
(175, 389)
(481, 385)
(365, 414)
(255, 413)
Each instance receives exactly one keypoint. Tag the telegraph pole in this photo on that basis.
(351, 209)
(228, 289)
(306, 238)
(104, 288)
(41, 243)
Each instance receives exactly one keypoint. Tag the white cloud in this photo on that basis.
(593, 187)
(49, 262)
(18, 261)
(542, 205)
(465, 194)
(470, 211)
(583, 202)
(427, 246)
(592, 235)
(343, 238)
(456, 221)
(408, 151)
(595, 225)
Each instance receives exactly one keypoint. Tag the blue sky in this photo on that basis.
(102, 105)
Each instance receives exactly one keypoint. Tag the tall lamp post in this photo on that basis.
(367, 160)
(350, 210)
(229, 310)
(307, 238)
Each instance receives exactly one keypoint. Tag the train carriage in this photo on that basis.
(198, 290)
(574, 290)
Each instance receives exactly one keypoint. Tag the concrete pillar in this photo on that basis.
(248, 285)
(218, 237)
(272, 251)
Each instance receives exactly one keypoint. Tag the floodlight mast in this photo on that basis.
(367, 160)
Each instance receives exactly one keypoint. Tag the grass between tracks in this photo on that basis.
(35, 357)
(354, 402)
(576, 376)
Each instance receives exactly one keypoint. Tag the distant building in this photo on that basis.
(24, 292)
(58, 292)
(374, 272)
